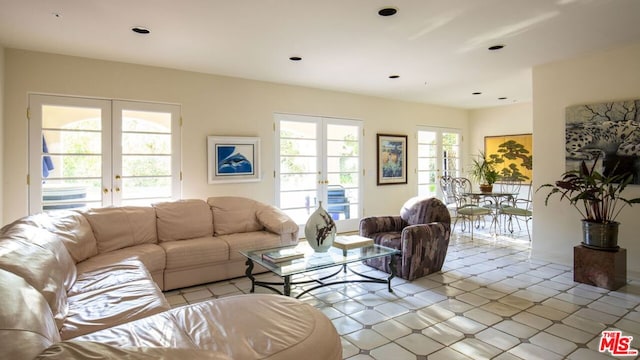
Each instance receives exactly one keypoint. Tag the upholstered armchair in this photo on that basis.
(421, 232)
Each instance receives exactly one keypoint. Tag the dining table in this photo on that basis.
(496, 200)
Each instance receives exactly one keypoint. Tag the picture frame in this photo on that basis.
(512, 156)
(233, 159)
(391, 159)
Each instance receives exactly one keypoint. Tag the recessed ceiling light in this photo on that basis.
(496, 47)
(394, 76)
(389, 11)
(295, 58)
(502, 98)
(140, 30)
(476, 93)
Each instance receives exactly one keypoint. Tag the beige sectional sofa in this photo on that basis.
(77, 284)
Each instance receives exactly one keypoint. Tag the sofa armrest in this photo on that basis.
(94, 350)
(377, 224)
(276, 221)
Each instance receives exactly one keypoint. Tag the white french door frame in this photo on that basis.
(322, 176)
(440, 158)
(118, 107)
(36, 102)
(111, 148)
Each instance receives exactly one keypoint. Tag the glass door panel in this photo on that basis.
(299, 169)
(319, 161)
(438, 155)
(144, 174)
(343, 171)
(69, 169)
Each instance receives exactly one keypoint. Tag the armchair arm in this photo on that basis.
(424, 248)
(377, 224)
(276, 221)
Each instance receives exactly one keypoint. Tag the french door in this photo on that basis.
(438, 155)
(319, 161)
(96, 152)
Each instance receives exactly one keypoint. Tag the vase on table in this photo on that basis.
(320, 230)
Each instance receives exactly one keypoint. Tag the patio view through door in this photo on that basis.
(319, 161)
(97, 152)
(438, 155)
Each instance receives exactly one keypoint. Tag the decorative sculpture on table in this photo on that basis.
(320, 230)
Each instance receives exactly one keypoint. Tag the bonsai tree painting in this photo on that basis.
(513, 152)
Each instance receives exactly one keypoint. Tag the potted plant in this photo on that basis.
(597, 198)
(483, 171)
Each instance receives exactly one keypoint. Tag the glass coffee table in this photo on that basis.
(313, 261)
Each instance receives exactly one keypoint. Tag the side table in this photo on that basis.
(605, 269)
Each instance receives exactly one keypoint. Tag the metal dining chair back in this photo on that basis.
(466, 206)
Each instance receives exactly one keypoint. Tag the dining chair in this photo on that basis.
(521, 209)
(467, 207)
(448, 197)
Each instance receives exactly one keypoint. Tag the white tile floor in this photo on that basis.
(490, 301)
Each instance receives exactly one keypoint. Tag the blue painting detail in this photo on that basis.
(231, 161)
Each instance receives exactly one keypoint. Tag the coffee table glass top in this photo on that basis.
(314, 261)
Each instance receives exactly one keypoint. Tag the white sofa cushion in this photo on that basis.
(119, 227)
(75, 232)
(252, 326)
(195, 252)
(39, 265)
(124, 296)
(27, 326)
(234, 214)
(184, 219)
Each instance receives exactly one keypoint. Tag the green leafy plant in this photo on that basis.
(597, 197)
(483, 171)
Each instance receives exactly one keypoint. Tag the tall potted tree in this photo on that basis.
(598, 199)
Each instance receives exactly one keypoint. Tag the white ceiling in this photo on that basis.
(438, 47)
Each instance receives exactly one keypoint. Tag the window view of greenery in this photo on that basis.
(74, 148)
(433, 157)
(299, 171)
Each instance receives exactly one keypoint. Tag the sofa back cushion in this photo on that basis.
(26, 251)
(184, 219)
(234, 214)
(119, 227)
(71, 228)
(27, 327)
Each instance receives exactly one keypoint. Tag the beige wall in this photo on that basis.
(501, 120)
(605, 76)
(211, 105)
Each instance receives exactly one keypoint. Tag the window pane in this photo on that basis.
(298, 182)
(68, 194)
(299, 199)
(298, 164)
(69, 117)
(427, 137)
(74, 166)
(72, 142)
(146, 121)
(146, 188)
(146, 165)
(345, 178)
(337, 164)
(146, 144)
(297, 130)
(297, 147)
